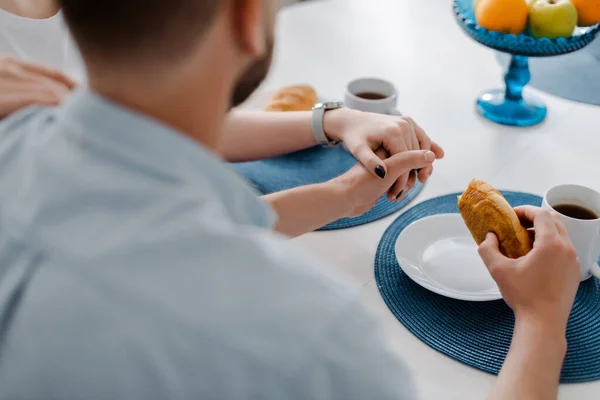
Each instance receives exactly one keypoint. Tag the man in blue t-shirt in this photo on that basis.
(134, 264)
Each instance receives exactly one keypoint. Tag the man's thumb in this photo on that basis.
(407, 161)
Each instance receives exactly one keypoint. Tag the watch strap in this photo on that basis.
(318, 127)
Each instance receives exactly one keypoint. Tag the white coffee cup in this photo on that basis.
(386, 105)
(584, 233)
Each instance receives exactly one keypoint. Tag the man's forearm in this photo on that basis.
(307, 208)
(532, 368)
(258, 135)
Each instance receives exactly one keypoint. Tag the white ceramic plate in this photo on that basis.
(439, 254)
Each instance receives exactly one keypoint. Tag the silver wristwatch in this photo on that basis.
(318, 115)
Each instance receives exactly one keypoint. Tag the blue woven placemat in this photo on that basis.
(479, 333)
(315, 165)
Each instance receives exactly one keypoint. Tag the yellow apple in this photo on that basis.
(552, 18)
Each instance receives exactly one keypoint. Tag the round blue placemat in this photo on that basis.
(315, 165)
(479, 333)
(574, 76)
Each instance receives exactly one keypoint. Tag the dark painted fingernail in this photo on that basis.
(399, 194)
(380, 171)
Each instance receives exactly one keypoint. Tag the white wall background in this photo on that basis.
(288, 2)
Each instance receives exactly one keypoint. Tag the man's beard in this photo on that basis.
(253, 77)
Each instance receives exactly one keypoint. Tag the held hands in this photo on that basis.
(363, 133)
(362, 190)
(542, 285)
(23, 84)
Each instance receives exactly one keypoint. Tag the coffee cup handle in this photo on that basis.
(394, 111)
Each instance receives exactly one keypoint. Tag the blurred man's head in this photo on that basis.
(231, 40)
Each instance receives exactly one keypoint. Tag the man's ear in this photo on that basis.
(250, 26)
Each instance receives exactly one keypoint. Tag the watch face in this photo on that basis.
(328, 106)
(333, 105)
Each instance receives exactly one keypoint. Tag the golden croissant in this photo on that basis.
(485, 210)
(293, 98)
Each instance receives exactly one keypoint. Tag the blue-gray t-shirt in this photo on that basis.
(135, 265)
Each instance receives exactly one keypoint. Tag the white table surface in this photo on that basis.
(439, 72)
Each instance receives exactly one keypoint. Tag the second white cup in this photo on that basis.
(372, 95)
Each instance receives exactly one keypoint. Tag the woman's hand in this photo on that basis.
(362, 190)
(364, 133)
(23, 84)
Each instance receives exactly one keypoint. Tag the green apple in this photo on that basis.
(552, 18)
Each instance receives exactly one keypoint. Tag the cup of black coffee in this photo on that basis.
(579, 210)
(372, 95)
(575, 211)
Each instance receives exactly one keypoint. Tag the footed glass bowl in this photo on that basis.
(508, 106)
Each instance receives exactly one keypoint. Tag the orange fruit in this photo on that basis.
(588, 11)
(506, 16)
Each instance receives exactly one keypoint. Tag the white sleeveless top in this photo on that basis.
(42, 41)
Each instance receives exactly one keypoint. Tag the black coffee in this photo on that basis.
(577, 212)
(371, 96)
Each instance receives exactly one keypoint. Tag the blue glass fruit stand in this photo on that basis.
(509, 106)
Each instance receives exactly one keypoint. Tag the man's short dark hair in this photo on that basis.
(111, 29)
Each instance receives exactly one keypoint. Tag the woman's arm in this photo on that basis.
(31, 9)
(307, 208)
(253, 136)
(23, 84)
